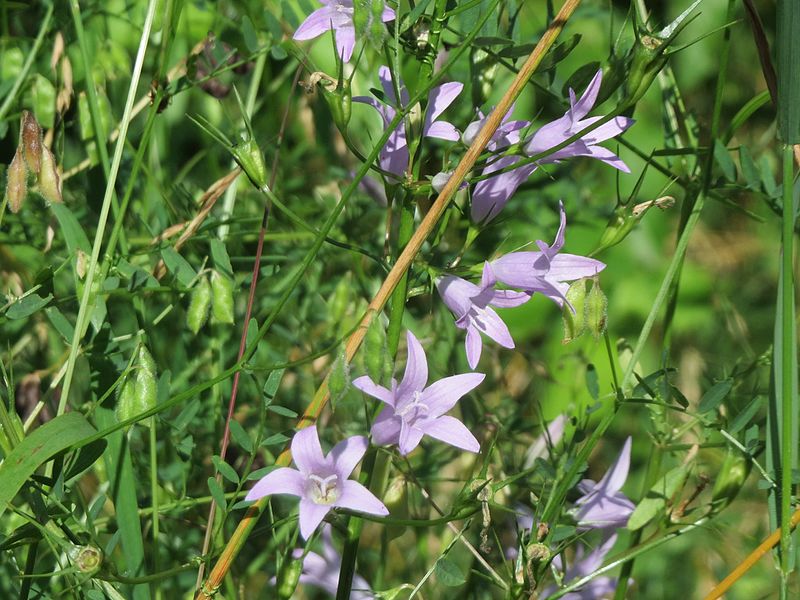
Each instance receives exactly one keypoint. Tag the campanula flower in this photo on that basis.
(320, 481)
(472, 306)
(547, 270)
(414, 409)
(573, 121)
(583, 565)
(602, 504)
(394, 155)
(336, 15)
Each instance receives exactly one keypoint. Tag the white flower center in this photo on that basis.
(414, 409)
(323, 489)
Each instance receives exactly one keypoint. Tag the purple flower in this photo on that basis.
(394, 155)
(320, 481)
(599, 587)
(323, 571)
(471, 304)
(338, 16)
(545, 271)
(602, 504)
(507, 134)
(542, 444)
(413, 410)
(572, 122)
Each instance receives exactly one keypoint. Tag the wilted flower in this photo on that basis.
(602, 504)
(394, 155)
(413, 410)
(572, 122)
(599, 587)
(471, 304)
(320, 481)
(336, 15)
(546, 271)
(323, 571)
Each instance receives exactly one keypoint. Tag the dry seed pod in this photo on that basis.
(49, 181)
(31, 141)
(17, 184)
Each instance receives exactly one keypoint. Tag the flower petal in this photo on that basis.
(280, 481)
(442, 395)
(491, 195)
(345, 41)
(490, 323)
(356, 497)
(456, 294)
(452, 431)
(311, 515)
(410, 437)
(474, 345)
(386, 428)
(347, 454)
(388, 14)
(571, 267)
(317, 23)
(442, 130)
(607, 156)
(616, 475)
(366, 385)
(440, 98)
(582, 107)
(416, 374)
(307, 452)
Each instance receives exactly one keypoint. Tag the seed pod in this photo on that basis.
(31, 141)
(596, 310)
(288, 577)
(732, 474)
(139, 391)
(221, 298)
(199, 303)
(17, 182)
(249, 156)
(49, 181)
(339, 102)
(573, 313)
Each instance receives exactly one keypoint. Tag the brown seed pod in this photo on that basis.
(17, 184)
(31, 141)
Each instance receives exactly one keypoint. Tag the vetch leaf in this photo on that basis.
(216, 493)
(715, 395)
(27, 305)
(724, 160)
(448, 573)
(240, 436)
(178, 266)
(225, 469)
(656, 499)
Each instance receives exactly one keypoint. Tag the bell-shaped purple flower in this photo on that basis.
(583, 565)
(602, 504)
(414, 409)
(338, 16)
(321, 481)
(472, 306)
(394, 155)
(546, 271)
(573, 121)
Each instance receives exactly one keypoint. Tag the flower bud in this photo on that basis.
(49, 180)
(199, 303)
(221, 298)
(339, 101)
(31, 141)
(573, 313)
(619, 226)
(249, 156)
(596, 310)
(288, 577)
(17, 182)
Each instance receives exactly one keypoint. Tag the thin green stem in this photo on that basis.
(154, 496)
(86, 301)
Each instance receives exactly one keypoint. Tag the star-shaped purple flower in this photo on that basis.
(320, 481)
(546, 271)
(572, 122)
(471, 304)
(338, 16)
(583, 565)
(602, 504)
(394, 155)
(413, 410)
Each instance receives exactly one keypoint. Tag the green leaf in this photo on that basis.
(591, 381)
(749, 169)
(283, 411)
(656, 499)
(448, 573)
(36, 449)
(225, 469)
(715, 395)
(222, 261)
(743, 418)
(271, 386)
(724, 161)
(27, 305)
(240, 436)
(43, 100)
(73, 232)
(177, 265)
(275, 439)
(216, 493)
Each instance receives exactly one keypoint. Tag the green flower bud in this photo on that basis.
(288, 577)
(17, 182)
(573, 313)
(619, 226)
(199, 303)
(249, 156)
(733, 473)
(339, 101)
(30, 138)
(596, 310)
(49, 180)
(221, 298)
